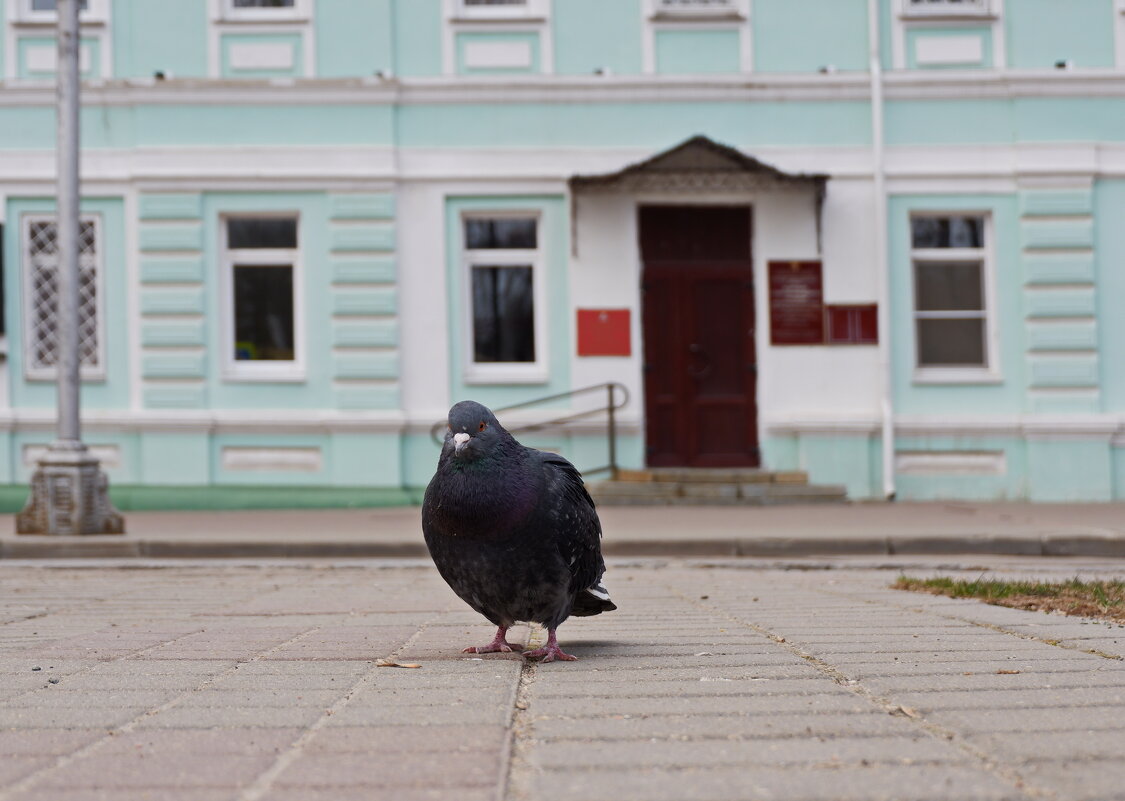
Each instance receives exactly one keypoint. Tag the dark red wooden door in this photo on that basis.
(698, 318)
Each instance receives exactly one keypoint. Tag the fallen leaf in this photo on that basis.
(1007, 672)
(392, 663)
(906, 712)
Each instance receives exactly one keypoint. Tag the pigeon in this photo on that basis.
(513, 531)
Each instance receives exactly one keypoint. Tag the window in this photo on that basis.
(710, 8)
(502, 261)
(264, 10)
(41, 266)
(499, 9)
(950, 268)
(260, 262)
(946, 8)
(44, 11)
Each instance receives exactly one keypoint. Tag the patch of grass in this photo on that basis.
(1104, 600)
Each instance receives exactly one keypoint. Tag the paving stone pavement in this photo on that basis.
(718, 680)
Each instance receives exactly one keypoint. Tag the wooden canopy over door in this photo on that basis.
(699, 354)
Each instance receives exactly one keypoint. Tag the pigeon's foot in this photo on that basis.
(551, 651)
(499, 644)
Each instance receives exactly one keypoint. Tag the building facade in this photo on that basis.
(882, 241)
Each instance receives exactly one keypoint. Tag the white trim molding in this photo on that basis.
(94, 23)
(296, 20)
(532, 17)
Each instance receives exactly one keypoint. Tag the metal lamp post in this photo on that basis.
(68, 490)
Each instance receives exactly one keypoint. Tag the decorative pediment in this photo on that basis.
(697, 165)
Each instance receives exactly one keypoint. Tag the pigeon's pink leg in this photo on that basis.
(499, 644)
(551, 651)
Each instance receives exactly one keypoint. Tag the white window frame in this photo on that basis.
(722, 9)
(301, 10)
(87, 372)
(265, 370)
(536, 372)
(908, 18)
(946, 9)
(989, 372)
(96, 13)
(657, 18)
(530, 9)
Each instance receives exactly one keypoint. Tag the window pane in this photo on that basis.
(263, 312)
(947, 343)
(517, 232)
(50, 5)
(503, 315)
(948, 286)
(495, 2)
(261, 232)
(947, 232)
(263, 3)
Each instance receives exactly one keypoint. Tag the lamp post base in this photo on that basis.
(69, 496)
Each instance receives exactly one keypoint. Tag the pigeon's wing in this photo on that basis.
(573, 521)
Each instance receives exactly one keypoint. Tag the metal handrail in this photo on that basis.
(612, 389)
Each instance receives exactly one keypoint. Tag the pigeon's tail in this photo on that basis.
(592, 601)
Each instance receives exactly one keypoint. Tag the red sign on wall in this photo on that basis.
(854, 324)
(796, 303)
(603, 332)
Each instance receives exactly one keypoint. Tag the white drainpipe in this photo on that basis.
(881, 260)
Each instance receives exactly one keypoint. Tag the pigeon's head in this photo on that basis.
(473, 430)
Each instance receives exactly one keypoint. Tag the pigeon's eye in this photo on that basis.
(483, 426)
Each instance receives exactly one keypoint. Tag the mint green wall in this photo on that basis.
(174, 459)
(353, 38)
(649, 124)
(167, 35)
(851, 461)
(953, 399)
(1118, 459)
(113, 391)
(1069, 470)
(692, 52)
(613, 43)
(1042, 32)
(805, 35)
(23, 128)
(1109, 232)
(418, 29)
(554, 238)
(981, 32)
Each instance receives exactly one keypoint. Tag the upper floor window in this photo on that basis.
(690, 8)
(950, 265)
(264, 10)
(261, 271)
(41, 297)
(500, 9)
(946, 8)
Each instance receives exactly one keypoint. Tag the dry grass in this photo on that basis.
(1104, 600)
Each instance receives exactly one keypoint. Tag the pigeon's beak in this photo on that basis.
(459, 441)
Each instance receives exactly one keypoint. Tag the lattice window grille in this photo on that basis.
(42, 265)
